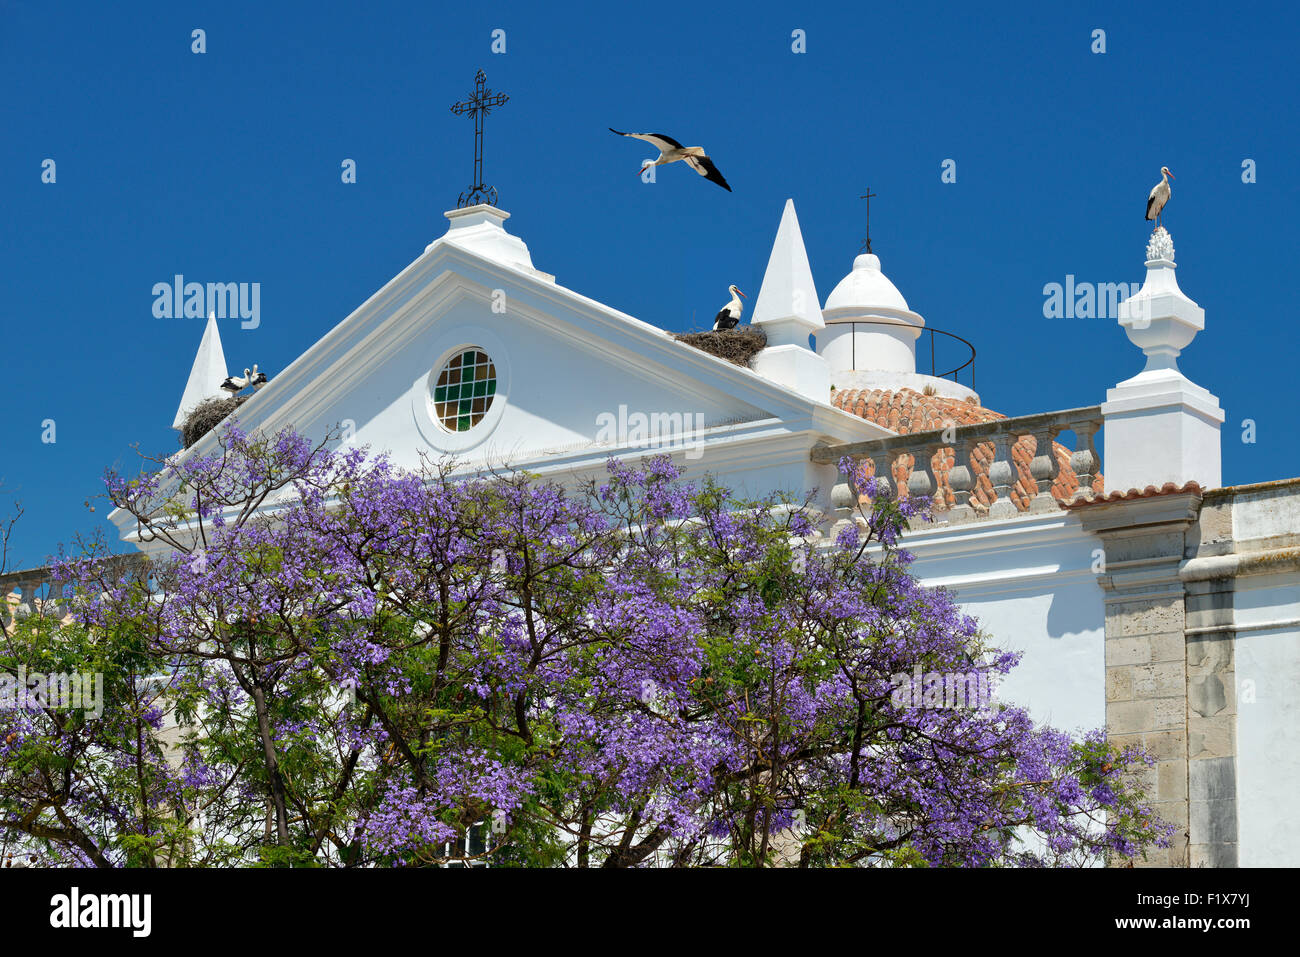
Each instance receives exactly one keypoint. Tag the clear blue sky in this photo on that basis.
(226, 167)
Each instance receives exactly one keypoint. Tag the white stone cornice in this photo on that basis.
(1141, 516)
(1276, 561)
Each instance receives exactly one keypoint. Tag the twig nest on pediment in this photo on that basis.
(207, 415)
(735, 345)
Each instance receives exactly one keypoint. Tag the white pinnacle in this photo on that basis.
(788, 311)
(788, 308)
(1160, 318)
(1160, 426)
(207, 374)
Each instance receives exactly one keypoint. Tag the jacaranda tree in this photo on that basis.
(344, 664)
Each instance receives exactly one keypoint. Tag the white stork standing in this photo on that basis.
(670, 151)
(258, 378)
(1160, 194)
(235, 385)
(729, 314)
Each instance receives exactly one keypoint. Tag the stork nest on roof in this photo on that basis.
(734, 345)
(206, 416)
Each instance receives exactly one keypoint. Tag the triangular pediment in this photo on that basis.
(573, 382)
(570, 374)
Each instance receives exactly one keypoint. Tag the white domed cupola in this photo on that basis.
(868, 324)
(870, 337)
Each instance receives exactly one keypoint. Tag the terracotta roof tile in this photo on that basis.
(1169, 488)
(907, 411)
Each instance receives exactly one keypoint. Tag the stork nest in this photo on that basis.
(207, 415)
(734, 345)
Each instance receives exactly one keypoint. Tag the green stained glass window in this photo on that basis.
(464, 390)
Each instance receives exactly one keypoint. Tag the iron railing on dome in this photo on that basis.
(968, 364)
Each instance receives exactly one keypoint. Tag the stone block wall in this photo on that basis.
(1177, 563)
(1146, 704)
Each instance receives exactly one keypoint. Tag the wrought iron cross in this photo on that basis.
(480, 104)
(866, 243)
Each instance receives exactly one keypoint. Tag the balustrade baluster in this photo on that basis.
(1002, 475)
(1044, 468)
(1084, 460)
(884, 462)
(962, 481)
(922, 482)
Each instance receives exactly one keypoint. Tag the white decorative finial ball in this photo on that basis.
(1160, 247)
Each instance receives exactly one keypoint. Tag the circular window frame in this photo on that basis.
(424, 406)
(452, 421)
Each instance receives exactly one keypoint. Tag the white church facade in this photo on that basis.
(1144, 596)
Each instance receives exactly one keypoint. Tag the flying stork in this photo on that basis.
(729, 314)
(234, 385)
(1160, 194)
(670, 151)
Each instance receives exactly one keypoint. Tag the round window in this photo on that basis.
(464, 390)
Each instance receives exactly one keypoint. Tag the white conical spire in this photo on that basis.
(788, 308)
(788, 311)
(206, 376)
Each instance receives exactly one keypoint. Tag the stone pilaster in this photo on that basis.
(1146, 651)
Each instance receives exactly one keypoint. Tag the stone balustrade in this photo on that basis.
(27, 592)
(34, 591)
(959, 444)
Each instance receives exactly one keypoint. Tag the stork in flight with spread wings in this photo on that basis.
(670, 151)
